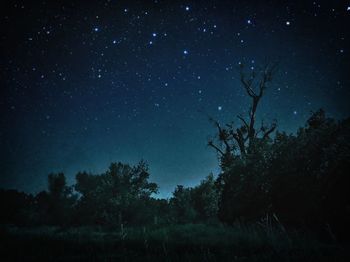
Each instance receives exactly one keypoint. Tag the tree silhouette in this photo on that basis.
(60, 199)
(117, 196)
(239, 141)
(244, 153)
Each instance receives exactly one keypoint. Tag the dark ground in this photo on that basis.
(168, 243)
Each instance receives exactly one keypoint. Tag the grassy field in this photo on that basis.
(168, 243)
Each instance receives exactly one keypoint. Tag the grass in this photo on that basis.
(190, 242)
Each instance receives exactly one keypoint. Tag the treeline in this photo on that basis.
(298, 180)
(121, 195)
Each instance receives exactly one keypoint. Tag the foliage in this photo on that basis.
(61, 200)
(181, 205)
(301, 178)
(197, 204)
(115, 195)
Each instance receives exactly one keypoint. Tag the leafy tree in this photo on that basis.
(118, 196)
(60, 200)
(205, 198)
(182, 206)
(88, 208)
(310, 174)
(42, 204)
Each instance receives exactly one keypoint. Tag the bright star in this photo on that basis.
(287, 23)
(96, 29)
(185, 52)
(154, 34)
(219, 108)
(187, 8)
(249, 21)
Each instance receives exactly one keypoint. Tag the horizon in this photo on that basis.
(161, 194)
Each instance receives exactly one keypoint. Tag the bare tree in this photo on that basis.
(240, 139)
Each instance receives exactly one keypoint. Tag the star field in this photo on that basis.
(85, 84)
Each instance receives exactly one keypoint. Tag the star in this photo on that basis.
(187, 8)
(287, 23)
(295, 112)
(249, 22)
(219, 108)
(96, 29)
(154, 34)
(185, 52)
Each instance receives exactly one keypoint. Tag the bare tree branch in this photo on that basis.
(254, 82)
(244, 122)
(240, 143)
(210, 143)
(269, 131)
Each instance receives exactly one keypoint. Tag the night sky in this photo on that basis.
(85, 83)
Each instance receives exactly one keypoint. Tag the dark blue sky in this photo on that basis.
(85, 84)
